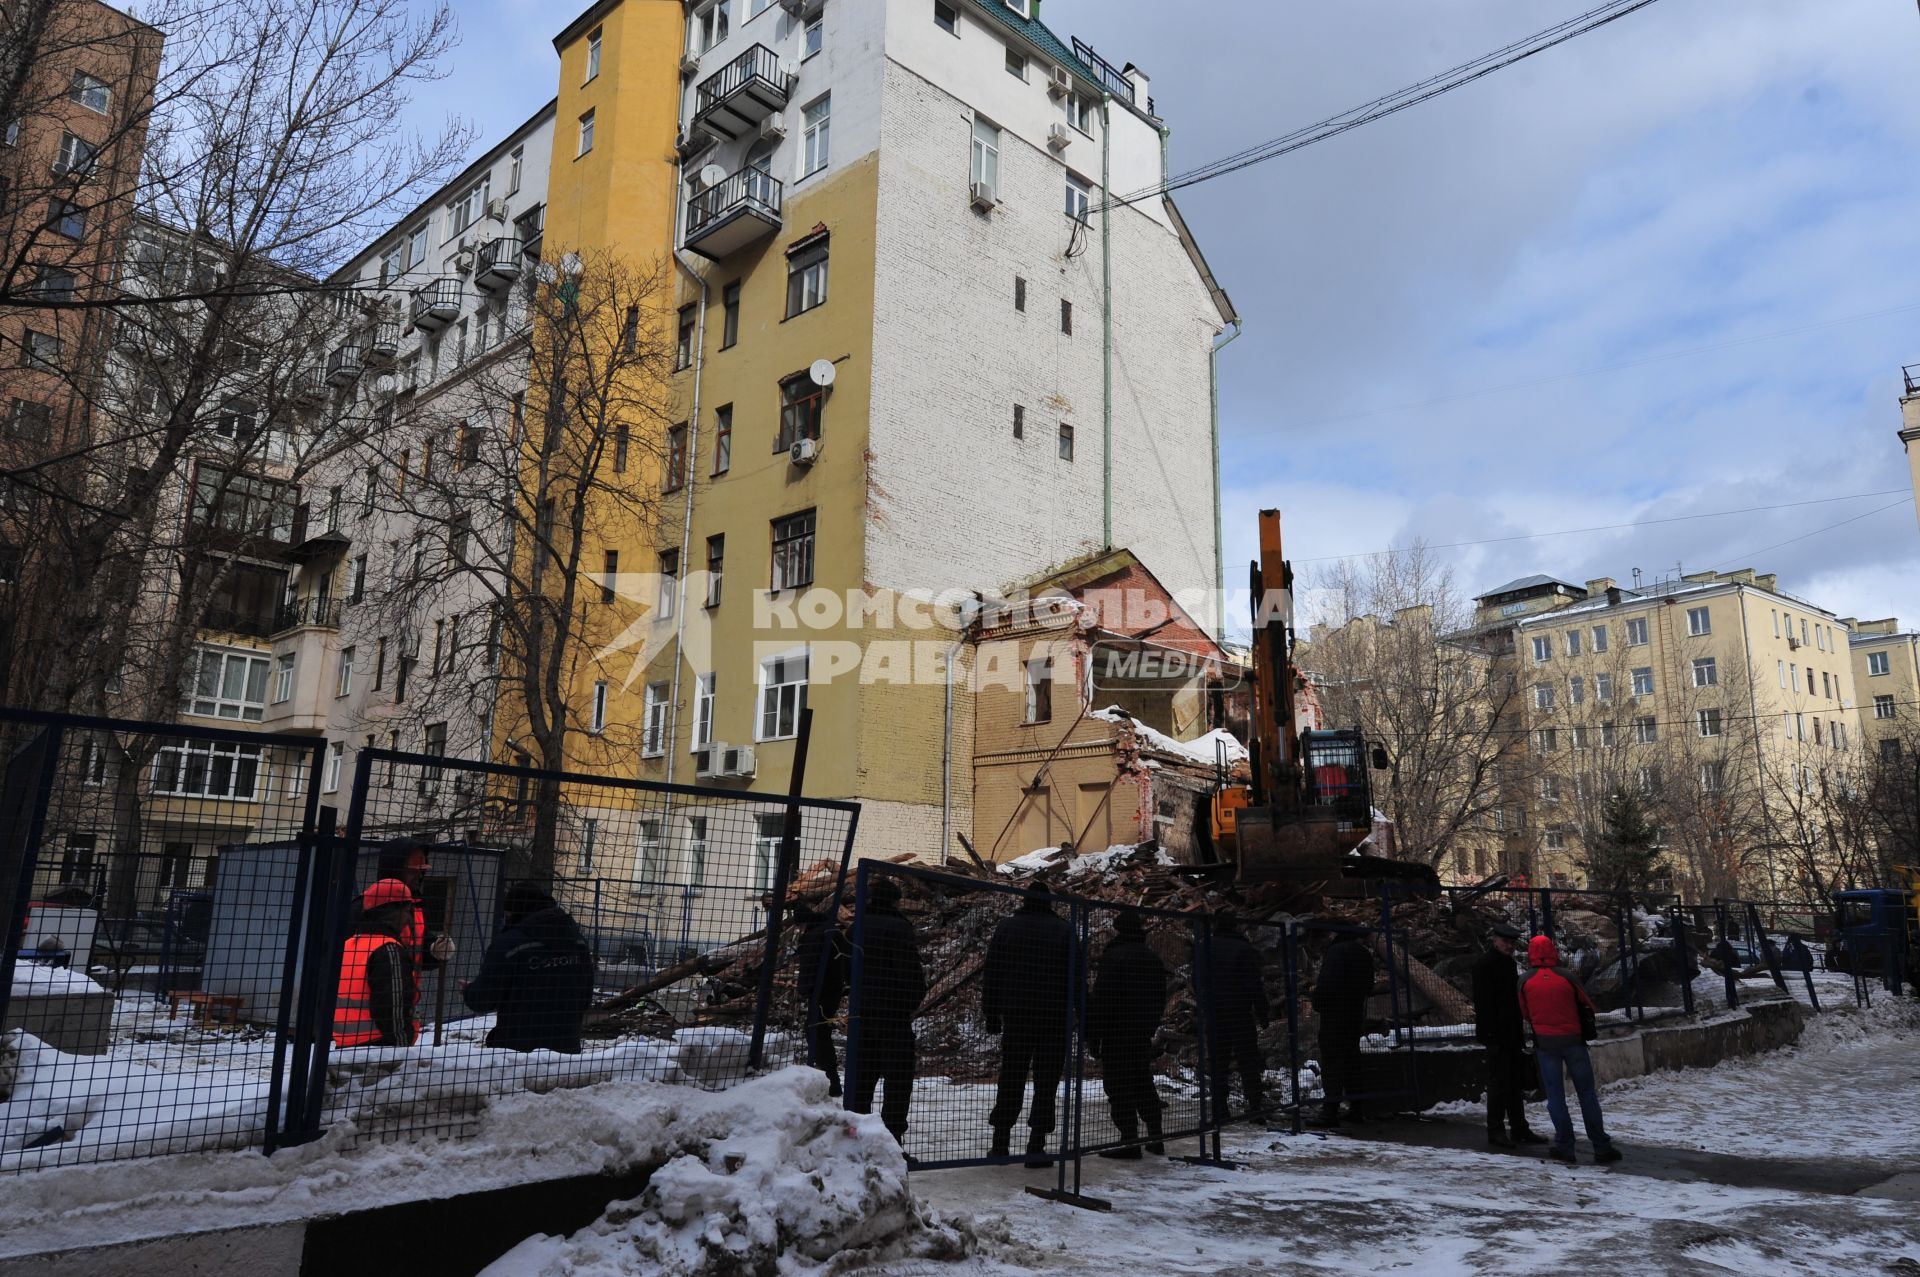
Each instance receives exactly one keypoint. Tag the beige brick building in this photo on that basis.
(1886, 669)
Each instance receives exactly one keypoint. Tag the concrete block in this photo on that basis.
(1617, 1058)
(71, 1022)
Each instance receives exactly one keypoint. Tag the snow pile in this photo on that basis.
(1203, 752)
(1033, 862)
(1116, 858)
(769, 1177)
(42, 980)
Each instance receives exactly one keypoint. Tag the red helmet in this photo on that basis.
(387, 891)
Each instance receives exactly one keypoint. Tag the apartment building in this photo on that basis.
(1886, 669)
(916, 361)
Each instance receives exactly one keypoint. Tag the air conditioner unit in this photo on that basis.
(738, 761)
(773, 128)
(1793, 644)
(690, 64)
(708, 758)
(1058, 137)
(497, 210)
(804, 452)
(1060, 83)
(983, 196)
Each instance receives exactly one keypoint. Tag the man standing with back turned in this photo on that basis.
(1025, 1000)
(1496, 1022)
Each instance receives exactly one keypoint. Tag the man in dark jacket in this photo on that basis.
(891, 987)
(1340, 994)
(1240, 1011)
(1129, 1000)
(1496, 1023)
(537, 976)
(1025, 1000)
(823, 956)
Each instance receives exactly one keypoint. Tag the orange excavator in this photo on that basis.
(1308, 805)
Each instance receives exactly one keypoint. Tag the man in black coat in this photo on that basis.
(1498, 1026)
(1129, 999)
(823, 957)
(1025, 1000)
(891, 986)
(1240, 1011)
(537, 976)
(1340, 994)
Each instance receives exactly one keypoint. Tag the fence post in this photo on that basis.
(1630, 947)
(333, 895)
(1546, 912)
(782, 879)
(25, 794)
(851, 1083)
(281, 1119)
(1683, 943)
(1293, 1016)
(1764, 943)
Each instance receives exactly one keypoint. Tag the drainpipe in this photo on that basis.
(946, 744)
(1106, 319)
(693, 469)
(1219, 547)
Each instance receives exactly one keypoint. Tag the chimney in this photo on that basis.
(1613, 596)
(1600, 585)
(1767, 581)
(1142, 86)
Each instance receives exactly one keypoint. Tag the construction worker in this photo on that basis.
(1240, 1010)
(892, 984)
(1026, 1000)
(536, 977)
(823, 960)
(403, 863)
(1129, 999)
(1340, 994)
(374, 1006)
(1496, 1023)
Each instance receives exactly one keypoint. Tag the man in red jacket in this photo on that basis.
(1551, 999)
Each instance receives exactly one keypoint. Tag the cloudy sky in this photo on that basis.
(1668, 269)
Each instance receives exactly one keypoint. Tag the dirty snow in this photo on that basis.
(1203, 751)
(42, 980)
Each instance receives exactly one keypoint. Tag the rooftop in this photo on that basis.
(1528, 583)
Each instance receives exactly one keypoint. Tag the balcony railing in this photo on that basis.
(437, 304)
(316, 611)
(344, 365)
(309, 385)
(1912, 373)
(733, 213)
(742, 93)
(245, 622)
(383, 343)
(497, 264)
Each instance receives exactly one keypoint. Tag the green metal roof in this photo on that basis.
(1040, 36)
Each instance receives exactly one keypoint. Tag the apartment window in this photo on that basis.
(1706, 673)
(343, 682)
(793, 551)
(1890, 750)
(1022, 7)
(593, 55)
(800, 405)
(1543, 696)
(201, 769)
(1066, 442)
(459, 537)
(1016, 66)
(722, 438)
(1550, 788)
(1826, 685)
(1646, 731)
(676, 471)
(1573, 642)
(1079, 200)
(1637, 631)
(609, 576)
(683, 347)
(669, 584)
(379, 664)
(1820, 637)
(783, 695)
(704, 692)
(1019, 422)
(357, 580)
(1546, 740)
(945, 18)
(1542, 649)
(1809, 680)
(1883, 707)
(1799, 726)
(228, 684)
(696, 852)
(815, 125)
(986, 154)
(1781, 668)
(1713, 777)
(716, 565)
(1709, 721)
(283, 678)
(1576, 690)
(1080, 108)
(1556, 838)
(653, 739)
(1816, 731)
(1066, 317)
(1603, 688)
(1020, 294)
(622, 441)
(1699, 621)
(730, 316)
(599, 724)
(76, 156)
(1608, 736)
(586, 134)
(709, 26)
(1878, 664)
(39, 350)
(1599, 639)
(806, 279)
(90, 91)
(1803, 632)
(813, 39)
(1039, 685)
(30, 421)
(516, 167)
(1643, 681)
(1839, 735)
(67, 218)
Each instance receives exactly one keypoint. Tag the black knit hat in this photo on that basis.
(525, 898)
(1130, 926)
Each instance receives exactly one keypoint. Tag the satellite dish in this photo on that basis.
(385, 385)
(712, 175)
(821, 372)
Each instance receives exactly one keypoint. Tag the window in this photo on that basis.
(593, 55)
(1776, 623)
(1039, 685)
(53, 283)
(202, 769)
(1709, 722)
(1542, 649)
(815, 123)
(610, 576)
(722, 438)
(1022, 7)
(1648, 780)
(1713, 777)
(599, 722)
(1543, 696)
(1878, 665)
(1550, 788)
(379, 664)
(228, 684)
(1016, 66)
(1578, 738)
(516, 167)
(470, 207)
(283, 678)
(653, 721)
(669, 584)
(730, 316)
(1573, 642)
(676, 471)
(357, 580)
(1576, 691)
(1646, 731)
(704, 691)
(76, 156)
(986, 154)
(766, 849)
(1020, 294)
(1781, 668)
(1803, 631)
(1637, 631)
(696, 852)
(1608, 737)
(1820, 637)
(1556, 838)
(945, 18)
(806, 279)
(683, 347)
(1066, 442)
(1699, 621)
(1599, 639)
(586, 134)
(1079, 200)
(30, 421)
(1890, 750)
(783, 694)
(1603, 688)
(1809, 680)
(90, 92)
(1826, 685)
(793, 551)
(622, 441)
(800, 404)
(716, 565)
(39, 350)
(330, 774)
(1643, 681)
(1019, 422)
(1079, 108)
(67, 218)
(1839, 734)
(1706, 673)
(1883, 707)
(1066, 317)
(1546, 740)
(343, 681)
(813, 39)
(709, 26)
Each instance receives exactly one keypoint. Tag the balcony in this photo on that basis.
(383, 343)
(1912, 374)
(309, 386)
(344, 365)
(497, 265)
(726, 217)
(742, 93)
(436, 305)
(316, 611)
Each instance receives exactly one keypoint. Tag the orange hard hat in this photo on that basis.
(387, 891)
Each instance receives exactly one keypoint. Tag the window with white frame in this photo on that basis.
(1878, 664)
(1713, 777)
(945, 17)
(91, 92)
(1883, 707)
(1599, 639)
(704, 694)
(1706, 672)
(1080, 110)
(1646, 731)
(1820, 637)
(985, 166)
(1781, 666)
(1542, 649)
(1573, 642)
(1608, 737)
(207, 769)
(1839, 735)
(1699, 621)
(813, 38)
(649, 867)
(1017, 65)
(1643, 681)
(593, 54)
(696, 852)
(470, 207)
(1550, 788)
(1576, 690)
(330, 774)
(1543, 695)
(653, 719)
(1556, 838)
(1647, 779)
(783, 694)
(1708, 721)
(343, 683)
(816, 121)
(769, 832)
(1577, 737)
(709, 26)
(228, 684)
(516, 169)
(1022, 7)
(1804, 639)
(1636, 631)
(283, 678)
(1079, 200)
(1546, 740)
(586, 133)
(599, 720)
(1603, 688)
(76, 156)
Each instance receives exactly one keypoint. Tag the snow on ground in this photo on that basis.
(42, 980)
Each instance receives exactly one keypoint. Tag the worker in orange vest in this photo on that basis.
(378, 983)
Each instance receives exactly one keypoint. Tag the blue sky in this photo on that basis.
(1713, 204)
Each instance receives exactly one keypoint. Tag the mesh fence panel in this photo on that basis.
(1353, 1012)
